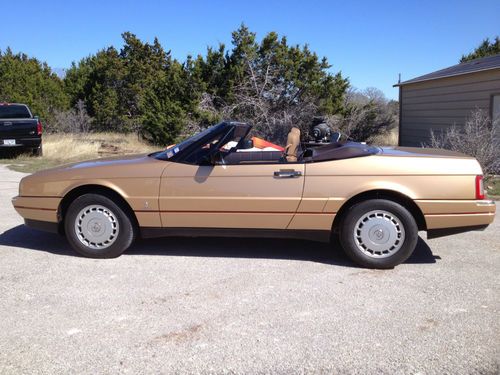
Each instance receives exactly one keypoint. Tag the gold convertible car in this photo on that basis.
(372, 200)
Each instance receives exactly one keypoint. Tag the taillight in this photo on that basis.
(39, 127)
(479, 187)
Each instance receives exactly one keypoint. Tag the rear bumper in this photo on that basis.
(445, 214)
(32, 142)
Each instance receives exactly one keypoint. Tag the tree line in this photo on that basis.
(142, 88)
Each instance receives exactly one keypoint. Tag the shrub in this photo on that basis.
(476, 138)
(367, 115)
(75, 120)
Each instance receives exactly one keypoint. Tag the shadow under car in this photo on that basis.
(223, 247)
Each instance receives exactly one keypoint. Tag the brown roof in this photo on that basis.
(476, 65)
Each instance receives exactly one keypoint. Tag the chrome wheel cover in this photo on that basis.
(96, 227)
(379, 234)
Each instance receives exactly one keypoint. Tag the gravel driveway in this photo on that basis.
(244, 306)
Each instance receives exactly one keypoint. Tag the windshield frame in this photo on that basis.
(176, 151)
(186, 151)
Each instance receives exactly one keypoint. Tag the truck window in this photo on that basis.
(10, 111)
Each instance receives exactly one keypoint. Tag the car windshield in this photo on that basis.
(11, 111)
(171, 151)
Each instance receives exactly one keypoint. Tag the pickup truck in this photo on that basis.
(19, 129)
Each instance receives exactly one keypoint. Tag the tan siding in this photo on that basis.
(441, 103)
(477, 94)
(445, 90)
(427, 127)
(448, 104)
(444, 112)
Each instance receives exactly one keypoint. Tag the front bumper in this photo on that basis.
(37, 208)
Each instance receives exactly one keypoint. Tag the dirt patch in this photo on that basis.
(109, 149)
(428, 324)
(181, 336)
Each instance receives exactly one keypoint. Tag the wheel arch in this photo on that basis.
(106, 191)
(390, 195)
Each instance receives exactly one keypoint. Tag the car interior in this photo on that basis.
(295, 152)
(228, 144)
(241, 154)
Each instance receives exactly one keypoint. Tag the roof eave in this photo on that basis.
(416, 80)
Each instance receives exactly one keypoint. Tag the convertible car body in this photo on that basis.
(374, 200)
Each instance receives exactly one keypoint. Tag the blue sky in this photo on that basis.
(369, 41)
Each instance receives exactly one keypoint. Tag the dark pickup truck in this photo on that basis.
(19, 129)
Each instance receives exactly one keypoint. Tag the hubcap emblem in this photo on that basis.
(379, 234)
(96, 227)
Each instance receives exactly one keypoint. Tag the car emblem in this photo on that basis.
(96, 228)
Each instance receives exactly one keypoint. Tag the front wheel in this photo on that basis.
(378, 233)
(97, 227)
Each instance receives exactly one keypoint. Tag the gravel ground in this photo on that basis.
(244, 306)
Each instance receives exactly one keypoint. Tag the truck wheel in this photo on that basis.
(97, 227)
(37, 151)
(378, 233)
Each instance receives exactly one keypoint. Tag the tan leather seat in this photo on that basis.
(292, 145)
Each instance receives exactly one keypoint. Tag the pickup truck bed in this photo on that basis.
(19, 130)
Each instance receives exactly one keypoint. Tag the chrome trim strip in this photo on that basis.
(486, 203)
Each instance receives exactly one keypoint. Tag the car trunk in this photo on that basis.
(422, 152)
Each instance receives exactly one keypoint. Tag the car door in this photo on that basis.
(262, 196)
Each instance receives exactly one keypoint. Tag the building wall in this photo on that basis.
(443, 102)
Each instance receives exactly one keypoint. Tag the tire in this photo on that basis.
(97, 227)
(37, 151)
(378, 233)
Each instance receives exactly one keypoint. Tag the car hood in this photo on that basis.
(129, 166)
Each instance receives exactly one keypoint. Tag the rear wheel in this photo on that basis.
(97, 227)
(378, 233)
(38, 151)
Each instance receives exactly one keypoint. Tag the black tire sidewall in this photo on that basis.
(357, 211)
(126, 234)
(37, 151)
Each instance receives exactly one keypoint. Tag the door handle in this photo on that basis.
(287, 173)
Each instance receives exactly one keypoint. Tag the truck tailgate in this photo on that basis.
(16, 128)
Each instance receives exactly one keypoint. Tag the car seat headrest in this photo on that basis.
(292, 144)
